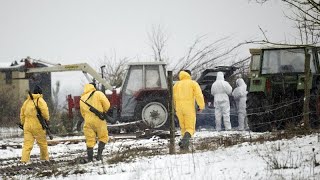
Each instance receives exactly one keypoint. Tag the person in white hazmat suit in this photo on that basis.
(240, 96)
(221, 90)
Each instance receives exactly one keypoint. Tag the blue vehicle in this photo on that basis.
(206, 119)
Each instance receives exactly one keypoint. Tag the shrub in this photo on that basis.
(9, 108)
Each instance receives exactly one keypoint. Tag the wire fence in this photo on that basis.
(280, 104)
(268, 109)
(268, 113)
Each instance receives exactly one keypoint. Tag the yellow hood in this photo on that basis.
(88, 88)
(35, 96)
(184, 75)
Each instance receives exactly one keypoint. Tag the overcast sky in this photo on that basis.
(75, 31)
(83, 30)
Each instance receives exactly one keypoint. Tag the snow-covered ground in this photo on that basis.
(296, 158)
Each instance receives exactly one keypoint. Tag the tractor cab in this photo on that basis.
(277, 76)
(144, 94)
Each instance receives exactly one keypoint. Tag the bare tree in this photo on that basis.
(158, 40)
(306, 16)
(55, 98)
(113, 69)
(200, 57)
(9, 109)
(308, 32)
(242, 66)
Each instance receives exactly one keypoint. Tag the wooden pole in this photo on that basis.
(306, 109)
(171, 114)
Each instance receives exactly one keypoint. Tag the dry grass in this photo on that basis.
(130, 154)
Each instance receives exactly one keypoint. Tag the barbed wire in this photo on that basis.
(291, 102)
(283, 119)
(262, 124)
(270, 110)
(283, 102)
(275, 104)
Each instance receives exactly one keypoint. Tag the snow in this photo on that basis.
(4, 64)
(9, 132)
(295, 158)
(8, 65)
(118, 90)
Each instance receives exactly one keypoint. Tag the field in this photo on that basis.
(213, 155)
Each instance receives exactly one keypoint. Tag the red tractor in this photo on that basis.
(143, 96)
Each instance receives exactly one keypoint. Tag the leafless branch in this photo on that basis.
(306, 15)
(114, 69)
(158, 40)
(264, 34)
(200, 57)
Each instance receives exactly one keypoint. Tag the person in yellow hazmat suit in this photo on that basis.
(32, 129)
(93, 125)
(185, 93)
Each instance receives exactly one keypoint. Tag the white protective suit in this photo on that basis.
(240, 96)
(220, 89)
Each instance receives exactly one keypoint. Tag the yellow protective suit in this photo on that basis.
(185, 93)
(32, 129)
(93, 125)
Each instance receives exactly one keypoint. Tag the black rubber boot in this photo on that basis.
(184, 143)
(79, 124)
(90, 154)
(100, 150)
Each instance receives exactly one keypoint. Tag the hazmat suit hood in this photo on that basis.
(220, 86)
(184, 75)
(88, 88)
(220, 76)
(240, 83)
(35, 96)
(240, 90)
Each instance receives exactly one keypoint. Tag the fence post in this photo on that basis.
(306, 110)
(171, 114)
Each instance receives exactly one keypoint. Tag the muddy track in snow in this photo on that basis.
(61, 164)
(67, 164)
(57, 166)
(71, 162)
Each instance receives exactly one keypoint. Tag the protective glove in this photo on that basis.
(20, 125)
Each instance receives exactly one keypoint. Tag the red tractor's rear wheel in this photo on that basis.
(153, 112)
